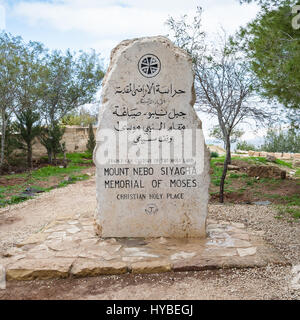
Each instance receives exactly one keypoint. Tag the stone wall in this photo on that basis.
(277, 155)
(75, 137)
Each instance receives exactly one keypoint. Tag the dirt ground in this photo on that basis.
(251, 190)
(263, 283)
(271, 282)
(261, 192)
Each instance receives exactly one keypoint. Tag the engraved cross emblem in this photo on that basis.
(149, 66)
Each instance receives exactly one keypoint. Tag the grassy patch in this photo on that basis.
(263, 160)
(234, 176)
(241, 190)
(217, 171)
(63, 176)
(80, 158)
(269, 181)
(214, 160)
(51, 171)
(17, 199)
(217, 181)
(288, 212)
(73, 179)
(229, 190)
(250, 182)
(283, 163)
(256, 160)
(252, 189)
(293, 200)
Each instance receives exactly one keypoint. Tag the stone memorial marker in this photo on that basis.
(152, 162)
(2, 278)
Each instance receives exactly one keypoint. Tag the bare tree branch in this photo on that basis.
(224, 83)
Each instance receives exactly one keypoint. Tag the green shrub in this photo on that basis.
(245, 146)
(91, 141)
(279, 140)
(214, 154)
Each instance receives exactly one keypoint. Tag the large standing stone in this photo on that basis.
(146, 185)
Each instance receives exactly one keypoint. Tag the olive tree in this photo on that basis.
(10, 48)
(70, 80)
(27, 96)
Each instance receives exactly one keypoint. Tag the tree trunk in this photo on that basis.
(65, 159)
(3, 140)
(29, 156)
(49, 157)
(228, 155)
(229, 158)
(226, 163)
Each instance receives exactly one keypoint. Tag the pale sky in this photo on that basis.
(102, 24)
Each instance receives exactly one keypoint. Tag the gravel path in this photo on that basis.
(272, 282)
(19, 221)
(283, 235)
